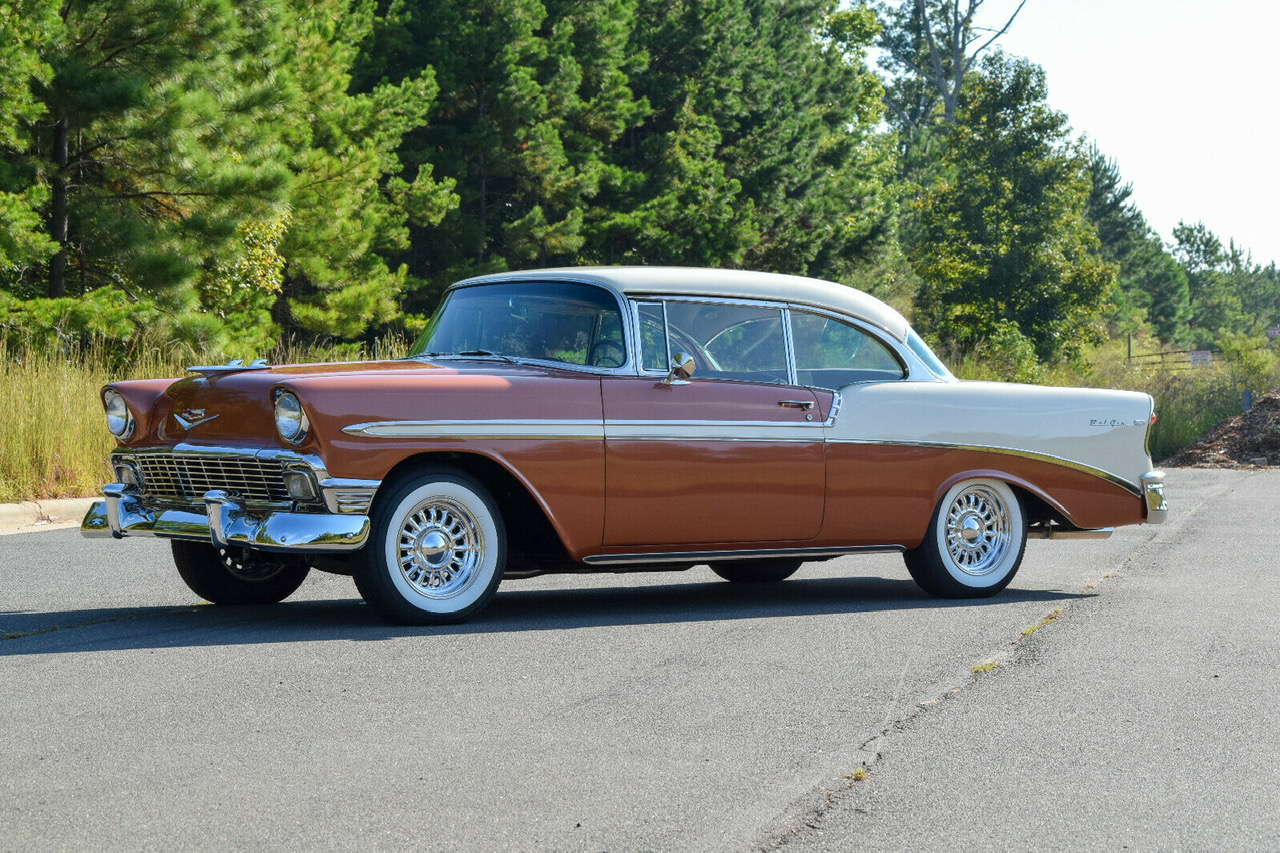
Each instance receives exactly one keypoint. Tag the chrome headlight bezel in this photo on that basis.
(291, 420)
(120, 419)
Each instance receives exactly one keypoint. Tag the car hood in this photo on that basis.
(238, 406)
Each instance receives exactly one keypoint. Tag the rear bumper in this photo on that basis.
(1153, 494)
(225, 522)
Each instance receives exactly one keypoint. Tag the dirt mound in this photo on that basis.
(1249, 439)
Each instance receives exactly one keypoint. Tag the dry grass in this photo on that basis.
(53, 438)
(54, 443)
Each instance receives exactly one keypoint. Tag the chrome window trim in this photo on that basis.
(710, 300)
(533, 362)
(793, 372)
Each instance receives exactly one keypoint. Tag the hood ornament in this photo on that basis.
(192, 418)
(236, 365)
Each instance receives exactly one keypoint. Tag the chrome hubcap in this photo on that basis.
(439, 548)
(977, 531)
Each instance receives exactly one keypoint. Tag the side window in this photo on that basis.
(730, 341)
(726, 341)
(832, 354)
(653, 336)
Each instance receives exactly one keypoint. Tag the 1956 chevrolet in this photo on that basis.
(617, 419)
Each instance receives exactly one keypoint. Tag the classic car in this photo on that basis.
(617, 419)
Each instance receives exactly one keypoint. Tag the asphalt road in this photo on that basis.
(661, 712)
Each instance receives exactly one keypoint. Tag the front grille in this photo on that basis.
(181, 477)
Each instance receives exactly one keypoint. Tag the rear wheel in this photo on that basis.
(975, 542)
(437, 551)
(236, 575)
(756, 571)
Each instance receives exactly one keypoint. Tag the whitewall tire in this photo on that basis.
(437, 551)
(975, 542)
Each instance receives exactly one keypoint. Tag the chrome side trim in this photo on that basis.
(580, 429)
(705, 556)
(765, 431)
(1153, 491)
(1005, 451)
(592, 430)
(836, 402)
(349, 496)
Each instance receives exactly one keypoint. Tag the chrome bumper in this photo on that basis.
(1153, 493)
(225, 522)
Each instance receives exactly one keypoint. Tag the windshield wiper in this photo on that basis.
(470, 353)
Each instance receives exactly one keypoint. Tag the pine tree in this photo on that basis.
(1150, 281)
(758, 150)
(351, 199)
(532, 95)
(152, 144)
(26, 28)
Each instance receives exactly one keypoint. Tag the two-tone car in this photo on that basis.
(617, 419)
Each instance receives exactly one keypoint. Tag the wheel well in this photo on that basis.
(1037, 508)
(532, 541)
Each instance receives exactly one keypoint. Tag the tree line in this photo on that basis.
(222, 174)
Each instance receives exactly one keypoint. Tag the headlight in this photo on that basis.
(291, 421)
(119, 418)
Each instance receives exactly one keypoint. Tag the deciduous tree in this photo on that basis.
(1006, 238)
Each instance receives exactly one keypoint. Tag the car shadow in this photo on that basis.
(512, 610)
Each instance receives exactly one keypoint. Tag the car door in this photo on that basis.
(735, 454)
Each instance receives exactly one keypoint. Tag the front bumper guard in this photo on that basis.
(225, 522)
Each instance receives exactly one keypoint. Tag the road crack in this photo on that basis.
(49, 629)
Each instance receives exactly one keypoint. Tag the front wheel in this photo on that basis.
(975, 541)
(235, 575)
(437, 551)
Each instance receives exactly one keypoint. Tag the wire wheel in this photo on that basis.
(440, 543)
(975, 541)
(978, 530)
(437, 549)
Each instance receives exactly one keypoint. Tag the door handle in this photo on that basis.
(804, 405)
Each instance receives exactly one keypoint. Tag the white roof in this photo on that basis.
(743, 284)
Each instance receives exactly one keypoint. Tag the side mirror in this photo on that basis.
(682, 368)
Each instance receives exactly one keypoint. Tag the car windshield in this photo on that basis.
(545, 321)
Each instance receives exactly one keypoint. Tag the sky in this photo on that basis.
(1181, 94)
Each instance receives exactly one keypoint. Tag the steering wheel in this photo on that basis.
(599, 356)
